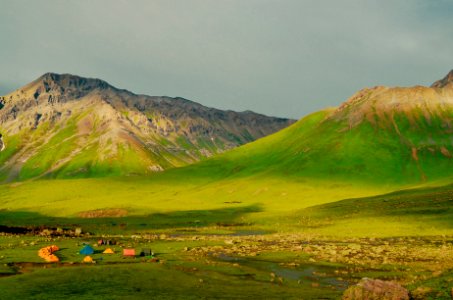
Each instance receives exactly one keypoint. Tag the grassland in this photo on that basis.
(116, 278)
(172, 200)
(300, 214)
(238, 237)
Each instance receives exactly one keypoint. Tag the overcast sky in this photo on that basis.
(277, 57)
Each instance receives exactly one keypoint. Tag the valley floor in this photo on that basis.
(248, 239)
(223, 266)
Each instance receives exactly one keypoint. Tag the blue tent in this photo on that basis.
(87, 250)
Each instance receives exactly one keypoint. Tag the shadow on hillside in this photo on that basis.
(179, 219)
(432, 205)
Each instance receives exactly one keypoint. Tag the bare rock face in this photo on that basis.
(447, 80)
(381, 105)
(375, 289)
(2, 144)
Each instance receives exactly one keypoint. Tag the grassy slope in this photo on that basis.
(318, 148)
(419, 211)
(273, 196)
(54, 144)
(272, 177)
(262, 204)
(379, 153)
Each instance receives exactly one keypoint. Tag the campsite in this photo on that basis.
(239, 260)
(242, 249)
(227, 149)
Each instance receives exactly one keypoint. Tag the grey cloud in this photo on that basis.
(285, 58)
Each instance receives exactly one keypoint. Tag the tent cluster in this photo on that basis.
(87, 250)
(131, 252)
(47, 253)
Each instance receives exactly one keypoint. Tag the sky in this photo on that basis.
(277, 57)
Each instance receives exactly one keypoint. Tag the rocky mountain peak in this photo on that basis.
(380, 105)
(53, 88)
(67, 84)
(447, 80)
(69, 81)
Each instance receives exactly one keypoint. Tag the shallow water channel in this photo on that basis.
(303, 273)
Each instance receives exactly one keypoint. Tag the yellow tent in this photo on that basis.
(88, 259)
(108, 251)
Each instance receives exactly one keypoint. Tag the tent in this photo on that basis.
(87, 259)
(146, 252)
(87, 250)
(128, 252)
(47, 253)
(52, 258)
(108, 251)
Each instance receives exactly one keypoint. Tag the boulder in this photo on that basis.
(375, 289)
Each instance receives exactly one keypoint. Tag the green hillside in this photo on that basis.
(390, 146)
(65, 126)
(378, 141)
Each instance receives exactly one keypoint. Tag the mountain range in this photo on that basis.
(61, 125)
(68, 126)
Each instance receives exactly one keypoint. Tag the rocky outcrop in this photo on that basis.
(375, 289)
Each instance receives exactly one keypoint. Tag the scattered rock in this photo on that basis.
(375, 289)
(421, 292)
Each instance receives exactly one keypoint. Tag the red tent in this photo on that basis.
(128, 252)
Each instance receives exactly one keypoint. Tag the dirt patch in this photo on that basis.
(445, 152)
(414, 154)
(104, 213)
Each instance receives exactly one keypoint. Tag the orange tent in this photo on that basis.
(128, 252)
(47, 253)
(52, 258)
(108, 251)
(88, 259)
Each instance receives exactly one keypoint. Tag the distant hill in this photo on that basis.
(70, 126)
(395, 135)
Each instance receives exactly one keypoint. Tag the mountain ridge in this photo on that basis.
(447, 80)
(112, 131)
(381, 135)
